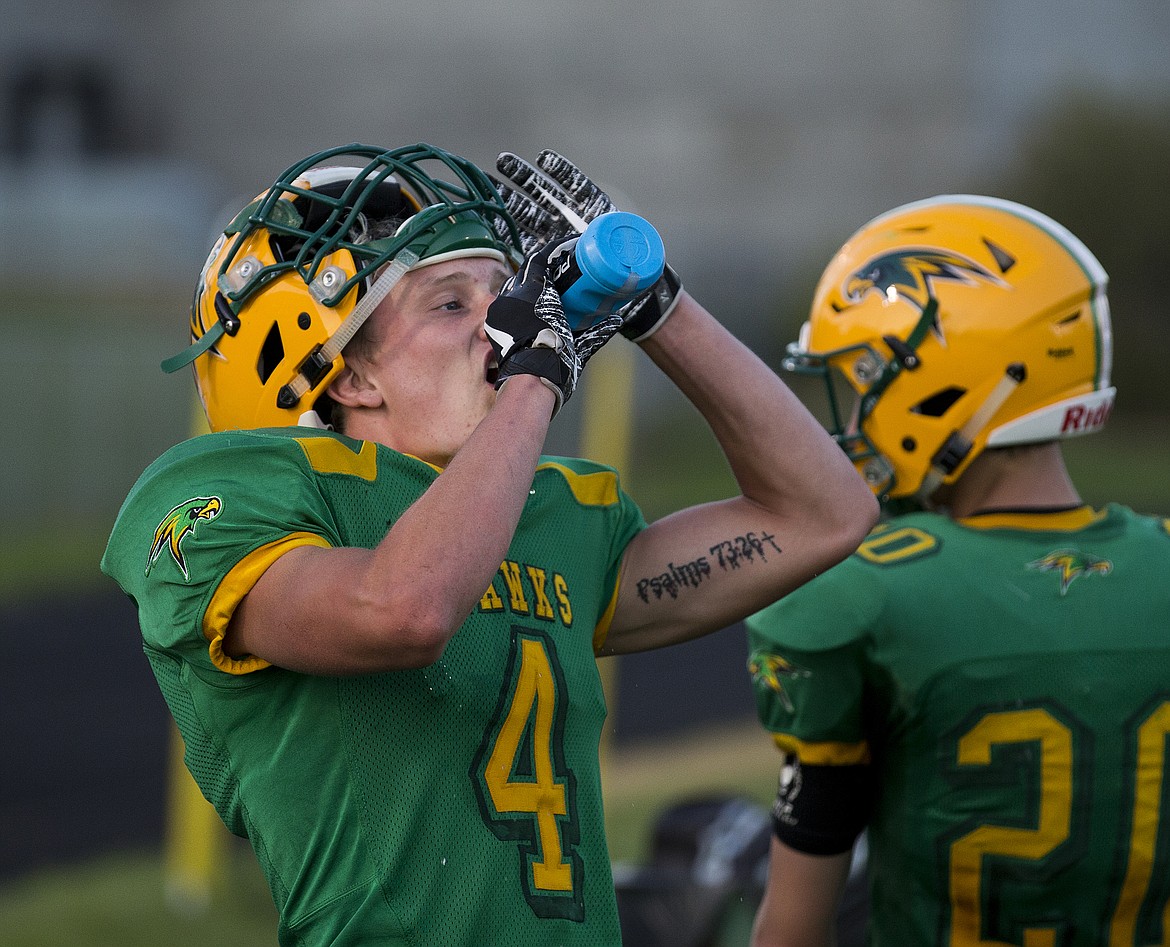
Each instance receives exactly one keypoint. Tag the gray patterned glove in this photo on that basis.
(553, 199)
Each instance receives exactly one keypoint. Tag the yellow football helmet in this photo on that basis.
(298, 271)
(954, 324)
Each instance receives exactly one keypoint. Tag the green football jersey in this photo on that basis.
(459, 803)
(1007, 679)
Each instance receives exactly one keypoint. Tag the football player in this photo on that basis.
(982, 687)
(374, 608)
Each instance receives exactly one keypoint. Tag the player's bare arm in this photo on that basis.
(349, 611)
(800, 900)
(802, 506)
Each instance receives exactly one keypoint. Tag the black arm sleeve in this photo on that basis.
(820, 810)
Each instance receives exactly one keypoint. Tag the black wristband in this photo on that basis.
(546, 364)
(646, 315)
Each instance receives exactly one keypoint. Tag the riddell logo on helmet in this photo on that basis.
(1079, 419)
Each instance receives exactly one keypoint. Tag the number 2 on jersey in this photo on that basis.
(1056, 767)
(525, 790)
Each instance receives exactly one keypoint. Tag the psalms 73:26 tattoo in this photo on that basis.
(728, 554)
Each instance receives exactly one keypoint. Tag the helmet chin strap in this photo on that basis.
(310, 369)
(312, 419)
(958, 445)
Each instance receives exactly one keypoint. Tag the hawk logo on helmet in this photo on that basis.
(1071, 565)
(910, 275)
(177, 525)
(768, 669)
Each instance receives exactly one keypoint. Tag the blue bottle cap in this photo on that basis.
(622, 252)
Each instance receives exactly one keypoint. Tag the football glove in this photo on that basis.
(554, 199)
(527, 328)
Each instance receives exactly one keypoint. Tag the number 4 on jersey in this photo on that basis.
(526, 793)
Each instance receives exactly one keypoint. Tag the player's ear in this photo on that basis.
(353, 389)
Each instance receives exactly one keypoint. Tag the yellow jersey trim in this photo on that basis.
(231, 591)
(601, 631)
(435, 467)
(1068, 521)
(329, 456)
(594, 489)
(823, 754)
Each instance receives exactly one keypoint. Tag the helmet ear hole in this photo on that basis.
(271, 354)
(938, 404)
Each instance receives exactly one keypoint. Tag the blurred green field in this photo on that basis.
(119, 901)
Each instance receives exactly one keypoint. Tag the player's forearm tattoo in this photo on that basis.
(728, 554)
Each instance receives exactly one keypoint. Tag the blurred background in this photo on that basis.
(757, 138)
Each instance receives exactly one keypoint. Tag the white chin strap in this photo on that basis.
(385, 282)
(312, 419)
(1072, 417)
(956, 448)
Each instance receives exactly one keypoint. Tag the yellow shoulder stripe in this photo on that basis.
(594, 489)
(329, 456)
(231, 591)
(824, 754)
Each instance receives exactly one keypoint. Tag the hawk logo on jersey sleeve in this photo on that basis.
(1071, 564)
(769, 669)
(177, 525)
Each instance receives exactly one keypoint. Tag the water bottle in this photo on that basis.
(618, 256)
